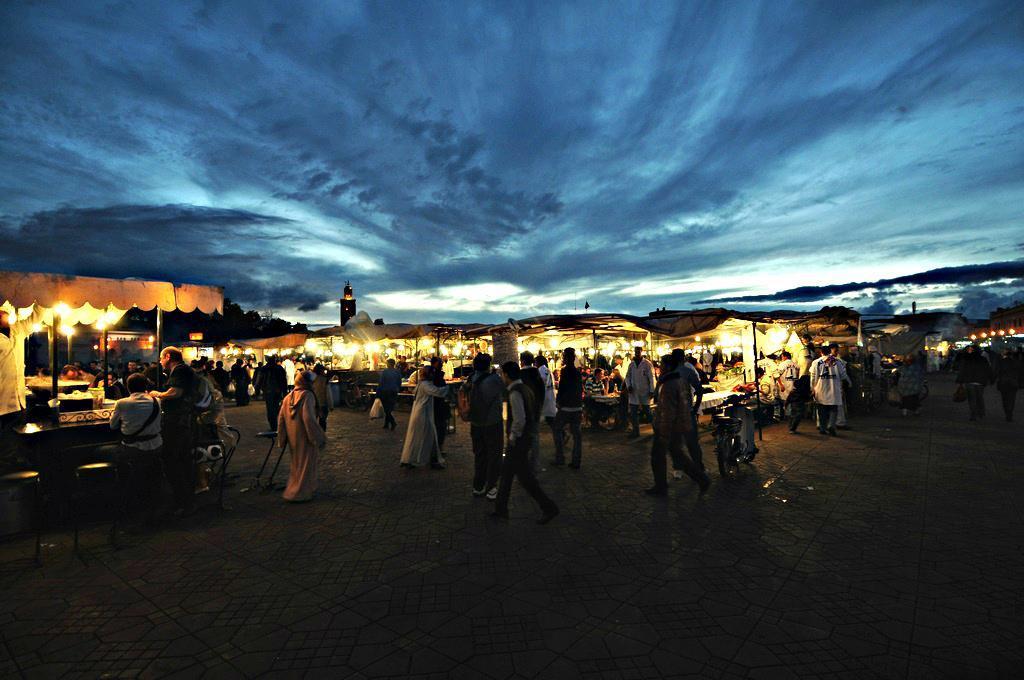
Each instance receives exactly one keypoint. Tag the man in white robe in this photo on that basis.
(640, 386)
(421, 434)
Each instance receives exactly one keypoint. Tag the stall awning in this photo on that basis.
(286, 341)
(22, 290)
(827, 322)
(573, 323)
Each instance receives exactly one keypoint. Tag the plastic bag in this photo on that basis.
(377, 410)
(960, 394)
(252, 390)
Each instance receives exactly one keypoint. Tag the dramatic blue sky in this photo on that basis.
(475, 161)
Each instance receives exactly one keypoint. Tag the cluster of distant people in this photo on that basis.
(977, 368)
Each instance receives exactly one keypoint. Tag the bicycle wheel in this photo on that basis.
(723, 451)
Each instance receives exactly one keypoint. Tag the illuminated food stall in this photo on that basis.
(57, 303)
(288, 344)
(362, 345)
(598, 339)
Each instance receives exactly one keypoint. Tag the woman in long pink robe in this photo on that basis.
(297, 426)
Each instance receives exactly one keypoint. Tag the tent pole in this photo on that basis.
(106, 362)
(757, 388)
(159, 344)
(53, 368)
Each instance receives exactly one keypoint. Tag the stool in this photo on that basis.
(271, 436)
(25, 478)
(87, 478)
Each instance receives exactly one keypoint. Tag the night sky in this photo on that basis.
(474, 161)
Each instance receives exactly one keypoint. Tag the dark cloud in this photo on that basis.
(977, 302)
(967, 274)
(880, 305)
(548, 146)
(167, 242)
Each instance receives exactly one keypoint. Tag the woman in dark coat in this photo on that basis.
(240, 377)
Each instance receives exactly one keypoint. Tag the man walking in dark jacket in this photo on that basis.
(523, 417)
(275, 386)
(485, 391)
(570, 410)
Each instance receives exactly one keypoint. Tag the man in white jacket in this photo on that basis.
(640, 386)
(827, 377)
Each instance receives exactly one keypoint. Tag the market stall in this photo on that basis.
(260, 348)
(72, 417)
(599, 339)
(56, 304)
(362, 345)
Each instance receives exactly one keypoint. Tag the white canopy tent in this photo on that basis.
(33, 301)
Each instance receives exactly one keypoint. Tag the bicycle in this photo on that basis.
(353, 397)
(729, 448)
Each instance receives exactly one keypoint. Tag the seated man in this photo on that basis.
(594, 385)
(137, 418)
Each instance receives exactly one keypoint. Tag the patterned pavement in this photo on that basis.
(894, 551)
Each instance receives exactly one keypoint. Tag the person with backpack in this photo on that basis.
(480, 403)
(177, 427)
(523, 417)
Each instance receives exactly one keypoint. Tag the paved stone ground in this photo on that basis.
(894, 551)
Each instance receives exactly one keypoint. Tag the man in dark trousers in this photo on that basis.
(275, 386)
(691, 377)
(178, 427)
(570, 410)
(485, 390)
(390, 384)
(673, 421)
(524, 416)
(531, 378)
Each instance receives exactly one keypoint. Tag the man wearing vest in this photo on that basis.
(137, 418)
(524, 415)
(178, 427)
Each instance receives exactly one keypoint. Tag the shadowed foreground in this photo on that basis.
(894, 551)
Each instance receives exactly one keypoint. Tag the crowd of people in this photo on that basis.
(506, 409)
